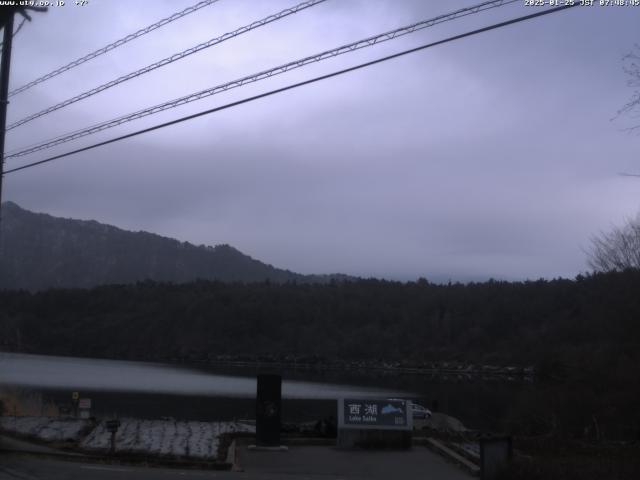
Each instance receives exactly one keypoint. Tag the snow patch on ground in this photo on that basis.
(164, 437)
(49, 429)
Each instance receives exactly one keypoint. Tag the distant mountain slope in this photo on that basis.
(39, 251)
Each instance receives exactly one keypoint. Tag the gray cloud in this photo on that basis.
(491, 156)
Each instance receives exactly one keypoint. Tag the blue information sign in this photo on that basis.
(375, 414)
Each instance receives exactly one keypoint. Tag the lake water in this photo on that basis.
(50, 372)
(152, 390)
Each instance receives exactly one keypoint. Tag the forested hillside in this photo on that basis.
(38, 251)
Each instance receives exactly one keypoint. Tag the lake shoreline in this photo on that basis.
(456, 370)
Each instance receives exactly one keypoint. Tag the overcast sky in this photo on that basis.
(491, 156)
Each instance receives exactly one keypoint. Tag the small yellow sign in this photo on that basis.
(75, 395)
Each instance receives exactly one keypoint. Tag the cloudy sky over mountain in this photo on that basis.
(495, 155)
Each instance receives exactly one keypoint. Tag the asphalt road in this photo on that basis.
(24, 467)
(331, 463)
(312, 463)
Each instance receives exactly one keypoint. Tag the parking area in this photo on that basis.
(331, 463)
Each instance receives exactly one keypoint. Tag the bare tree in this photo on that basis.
(618, 249)
(631, 66)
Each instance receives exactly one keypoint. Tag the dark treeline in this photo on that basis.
(582, 335)
(565, 325)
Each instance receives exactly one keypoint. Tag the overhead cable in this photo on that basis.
(17, 30)
(170, 59)
(367, 42)
(111, 46)
(295, 85)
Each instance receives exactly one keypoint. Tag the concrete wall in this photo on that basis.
(369, 438)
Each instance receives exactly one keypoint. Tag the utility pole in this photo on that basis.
(7, 15)
(5, 65)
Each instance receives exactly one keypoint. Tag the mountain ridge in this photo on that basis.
(40, 251)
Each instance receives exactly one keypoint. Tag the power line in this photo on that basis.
(296, 85)
(367, 42)
(19, 27)
(17, 30)
(166, 61)
(116, 44)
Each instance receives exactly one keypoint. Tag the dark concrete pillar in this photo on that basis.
(268, 410)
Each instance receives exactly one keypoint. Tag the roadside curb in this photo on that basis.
(232, 457)
(451, 455)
